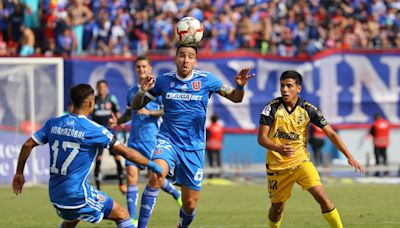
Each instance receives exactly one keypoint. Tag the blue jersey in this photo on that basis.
(74, 143)
(144, 128)
(185, 104)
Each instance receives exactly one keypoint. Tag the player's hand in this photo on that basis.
(242, 78)
(155, 168)
(148, 84)
(112, 122)
(287, 150)
(18, 183)
(356, 165)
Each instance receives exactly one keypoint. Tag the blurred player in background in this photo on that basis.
(144, 127)
(380, 132)
(180, 141)
(317, 141)
(105, 106)
(283, 131)
(74, 142)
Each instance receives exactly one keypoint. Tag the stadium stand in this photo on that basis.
(126, 27)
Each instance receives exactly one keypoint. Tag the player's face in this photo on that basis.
(102, 89)
(289, 90)
(143, 69)
(185, 61)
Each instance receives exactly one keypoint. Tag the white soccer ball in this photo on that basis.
(189, 31)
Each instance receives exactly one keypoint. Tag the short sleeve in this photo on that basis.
(214, 83)
(316, 116)
(268, 114)
(40, 137)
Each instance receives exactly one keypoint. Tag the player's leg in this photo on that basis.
(189, 174)
(120, 172)
(169, 188)
(97, 172)
(275, 214)
(329, 211)
(150, 193)
(121, 216)
(69, 224)
(188, 209)
(309, 179)
(377, 160)
(132, 195)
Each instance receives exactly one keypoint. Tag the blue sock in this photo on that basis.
(131, 200)
(149, 198)
(127, 223)
(168, 187)
(185, 219)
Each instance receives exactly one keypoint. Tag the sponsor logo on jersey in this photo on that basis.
(183, 97)
(196, 85)
(286, 135)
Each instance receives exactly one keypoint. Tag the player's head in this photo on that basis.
(290, 85)
(185, 59)
(102, 87)
(214, 118)
(82, 97)
(142, 67)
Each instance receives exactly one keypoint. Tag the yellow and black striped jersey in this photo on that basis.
(289, 127)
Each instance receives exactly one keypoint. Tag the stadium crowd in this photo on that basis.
(125, 27)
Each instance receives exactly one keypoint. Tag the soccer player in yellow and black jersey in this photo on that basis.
(283, 131)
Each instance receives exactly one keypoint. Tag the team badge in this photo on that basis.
(101, 198)
(300, 120)
(172, 85)
(266, 110)
(196, 85)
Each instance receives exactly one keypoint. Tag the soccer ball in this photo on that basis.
(189, 31)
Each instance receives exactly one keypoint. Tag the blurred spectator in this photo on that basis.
(214, 136)
(28, 41)
(66, 42)
(380, 132)
(79, 14)
(317, 140)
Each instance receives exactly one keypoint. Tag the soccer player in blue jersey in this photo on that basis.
(180, 141)
(74, 142)
(144, 127)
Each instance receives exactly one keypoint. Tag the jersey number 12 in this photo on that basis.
(56, 148)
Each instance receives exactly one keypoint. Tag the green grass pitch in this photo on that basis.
(236, 206)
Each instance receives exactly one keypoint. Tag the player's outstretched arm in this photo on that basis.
(236, 95)
(140, 99)
(136, 157)
(338, 142)
(19, 179)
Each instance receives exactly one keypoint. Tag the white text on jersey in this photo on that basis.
(68, 132)
(183, 96)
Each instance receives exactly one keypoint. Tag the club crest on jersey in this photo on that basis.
(159, 151)
(101, 198)
(172, 85)
(196, 85)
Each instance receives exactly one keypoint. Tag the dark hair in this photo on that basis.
(293, 75)
(101, 81)
(184, 45)
(214, 118)
(142, 57)
(79, 93)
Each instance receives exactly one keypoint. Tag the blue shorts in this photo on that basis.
(99, 205)
(145, 148)
(186, 166)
